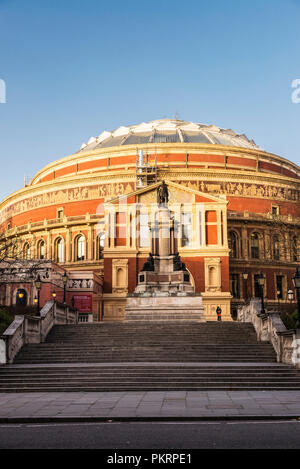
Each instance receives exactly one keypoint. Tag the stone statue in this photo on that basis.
(178, 265)
(162, 194)
(149, 265)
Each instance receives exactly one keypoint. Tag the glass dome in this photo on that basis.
(168, 131)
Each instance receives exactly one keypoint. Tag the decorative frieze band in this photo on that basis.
(111, 190)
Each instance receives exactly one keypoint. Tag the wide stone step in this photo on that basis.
(45, 362)
(162, 344)
(154, 353)
(153, 328)
(195, 349)
(151, 351)
(149, 377)
(158, 387)
(191, 347)
(194, 329)
(154, 337)
(139, 357)
(162, 368)
(145, 352)
(178, 333)
(144, 377)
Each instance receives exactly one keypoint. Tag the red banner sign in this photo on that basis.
(83, 303)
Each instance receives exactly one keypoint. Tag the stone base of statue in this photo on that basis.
(164, 291)
(173, 307)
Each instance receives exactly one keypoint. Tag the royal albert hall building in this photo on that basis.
(236, 209)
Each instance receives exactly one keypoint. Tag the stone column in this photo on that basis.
(244, 243)
(68, 245)
(172, 238)
(219, 227)
(8, 295)
(164, 238)
(112, 228)
(90, 243)
(225, 232)
(286, 248)
(49, 254)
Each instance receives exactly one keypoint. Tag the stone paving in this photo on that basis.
(181, 404)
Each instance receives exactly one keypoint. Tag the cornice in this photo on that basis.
(159, 149)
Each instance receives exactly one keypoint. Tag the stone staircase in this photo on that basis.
(148, 356)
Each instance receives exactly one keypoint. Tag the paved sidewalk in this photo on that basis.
(157, 405)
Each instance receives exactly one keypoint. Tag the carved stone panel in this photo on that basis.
(212, 267)
(120, 276)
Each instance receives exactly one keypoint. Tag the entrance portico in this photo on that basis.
(197, 231)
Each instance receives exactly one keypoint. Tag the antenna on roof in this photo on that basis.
(27, 180)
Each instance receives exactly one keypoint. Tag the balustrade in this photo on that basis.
(270, 328)
(33, 329)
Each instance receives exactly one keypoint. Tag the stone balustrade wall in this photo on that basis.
(33, 329)
(270, 328)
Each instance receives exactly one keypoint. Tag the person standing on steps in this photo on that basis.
(219, 313)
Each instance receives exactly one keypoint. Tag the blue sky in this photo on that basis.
(74, 68)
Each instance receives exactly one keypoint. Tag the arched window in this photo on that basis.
(100, 240)
(80, 248)
(26, 251)
(212, 276)
(235, 285)
(15, 251)
(295, 248)
(41, 249)
(276, 254)
(186, 229)
(254, 241)
(59, 250)
(233, 245)
(121, 278)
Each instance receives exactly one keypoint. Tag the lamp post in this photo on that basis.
(54, 295)
(38, 286)
(261, 282)
(65, 280)
(35, 300)
(296, 283)
(278, 298)
(290, 295)
(21, 295)
(20, 298)
(245, 277)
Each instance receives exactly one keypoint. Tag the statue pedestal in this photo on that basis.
(164, 307)
(170, 282)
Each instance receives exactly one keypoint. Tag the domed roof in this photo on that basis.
(168, 131)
